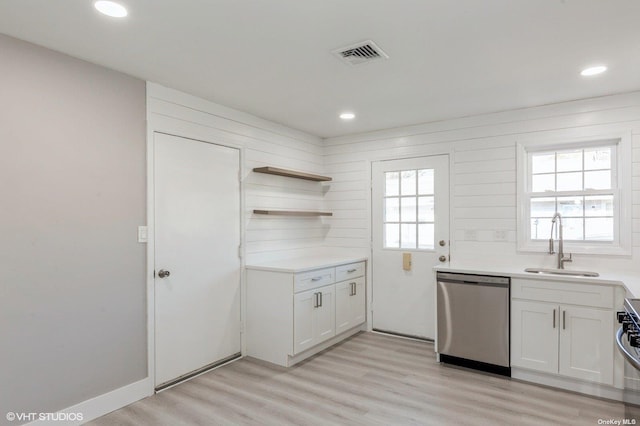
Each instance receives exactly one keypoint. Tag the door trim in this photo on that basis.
(162, 125)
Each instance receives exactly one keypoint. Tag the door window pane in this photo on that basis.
(408, 209)
(542, 183)
(392, 235)
(569, 161)
(392, 183)
(426, 239)
(408, 182)
(597, 180)
(569, 181)
(425, 209)
(408, 235)
(392, 210)
(598, 229)
(425, 181)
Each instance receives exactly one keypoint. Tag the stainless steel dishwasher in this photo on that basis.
(473, 321)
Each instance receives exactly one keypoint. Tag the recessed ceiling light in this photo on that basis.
(593, 70)
(347, 116)
(111, 8)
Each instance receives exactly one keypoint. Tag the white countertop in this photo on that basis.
(306, 262)
(630, 280)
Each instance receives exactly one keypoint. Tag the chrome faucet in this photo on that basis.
(561, 258)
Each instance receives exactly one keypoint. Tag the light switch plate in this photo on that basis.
(143, 234)
(500, 235)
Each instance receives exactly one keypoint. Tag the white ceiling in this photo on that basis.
(272, 58)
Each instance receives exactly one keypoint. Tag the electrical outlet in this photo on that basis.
(470, 235)
(500, 235)
(143, 234)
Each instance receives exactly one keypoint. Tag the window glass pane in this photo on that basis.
(597, 180)
(569, 181)
(543, 163)
(392, 183)
(598, 229)
(392, 235)
(408, 182)
(572, 228)
(597, 158)
(570, 206)
(569, 161)
(425, 181)
(540, 228)
(408, 235)
(426, 238)
(425, 209)
(543, 207)
(392, 210)
(598, 205)
(408, 209)
(542, 183)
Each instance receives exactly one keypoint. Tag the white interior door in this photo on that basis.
(197, 235)
(410, 217)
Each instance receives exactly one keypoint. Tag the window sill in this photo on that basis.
(585, 249)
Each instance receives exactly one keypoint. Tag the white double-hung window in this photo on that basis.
(582, 182)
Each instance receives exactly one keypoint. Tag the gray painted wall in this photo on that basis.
(72, 193)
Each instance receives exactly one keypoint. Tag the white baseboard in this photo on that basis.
(593, 389)
(101, 404)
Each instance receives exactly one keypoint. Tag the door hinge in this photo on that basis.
(240, 251)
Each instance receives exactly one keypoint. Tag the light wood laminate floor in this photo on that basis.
(369, 379)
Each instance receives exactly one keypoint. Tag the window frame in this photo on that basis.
(621, 173)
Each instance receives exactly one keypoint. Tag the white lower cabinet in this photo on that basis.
(559, 337)
(314, 319)
(350, 304)
(291, 316)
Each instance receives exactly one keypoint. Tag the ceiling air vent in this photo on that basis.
(360, 53)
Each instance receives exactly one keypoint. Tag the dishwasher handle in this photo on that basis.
(487, 280)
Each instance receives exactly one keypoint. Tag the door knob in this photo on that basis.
(442, 258)
(442, 243)
(162, 273)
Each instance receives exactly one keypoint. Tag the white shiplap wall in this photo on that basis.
(263, 143)
(482, 151)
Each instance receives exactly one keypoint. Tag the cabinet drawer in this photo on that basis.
(352, 270)
(313, 279)
(600, 296)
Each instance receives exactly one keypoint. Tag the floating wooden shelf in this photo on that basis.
(292, 213)
(291, 173)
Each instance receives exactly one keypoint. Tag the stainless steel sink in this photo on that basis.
(565, 272)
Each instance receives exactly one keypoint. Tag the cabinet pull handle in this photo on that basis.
(320, 294)
(315, 300)
(316, 278)
(351, 270)
(554, 318)
(564, 319)
(353, 289)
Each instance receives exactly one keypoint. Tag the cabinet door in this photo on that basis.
(324, 316)
(343, 306)
(358, 302)
(534, 335)
(586, 351)
(303, 313)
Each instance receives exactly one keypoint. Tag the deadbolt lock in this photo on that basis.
(442, 243)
